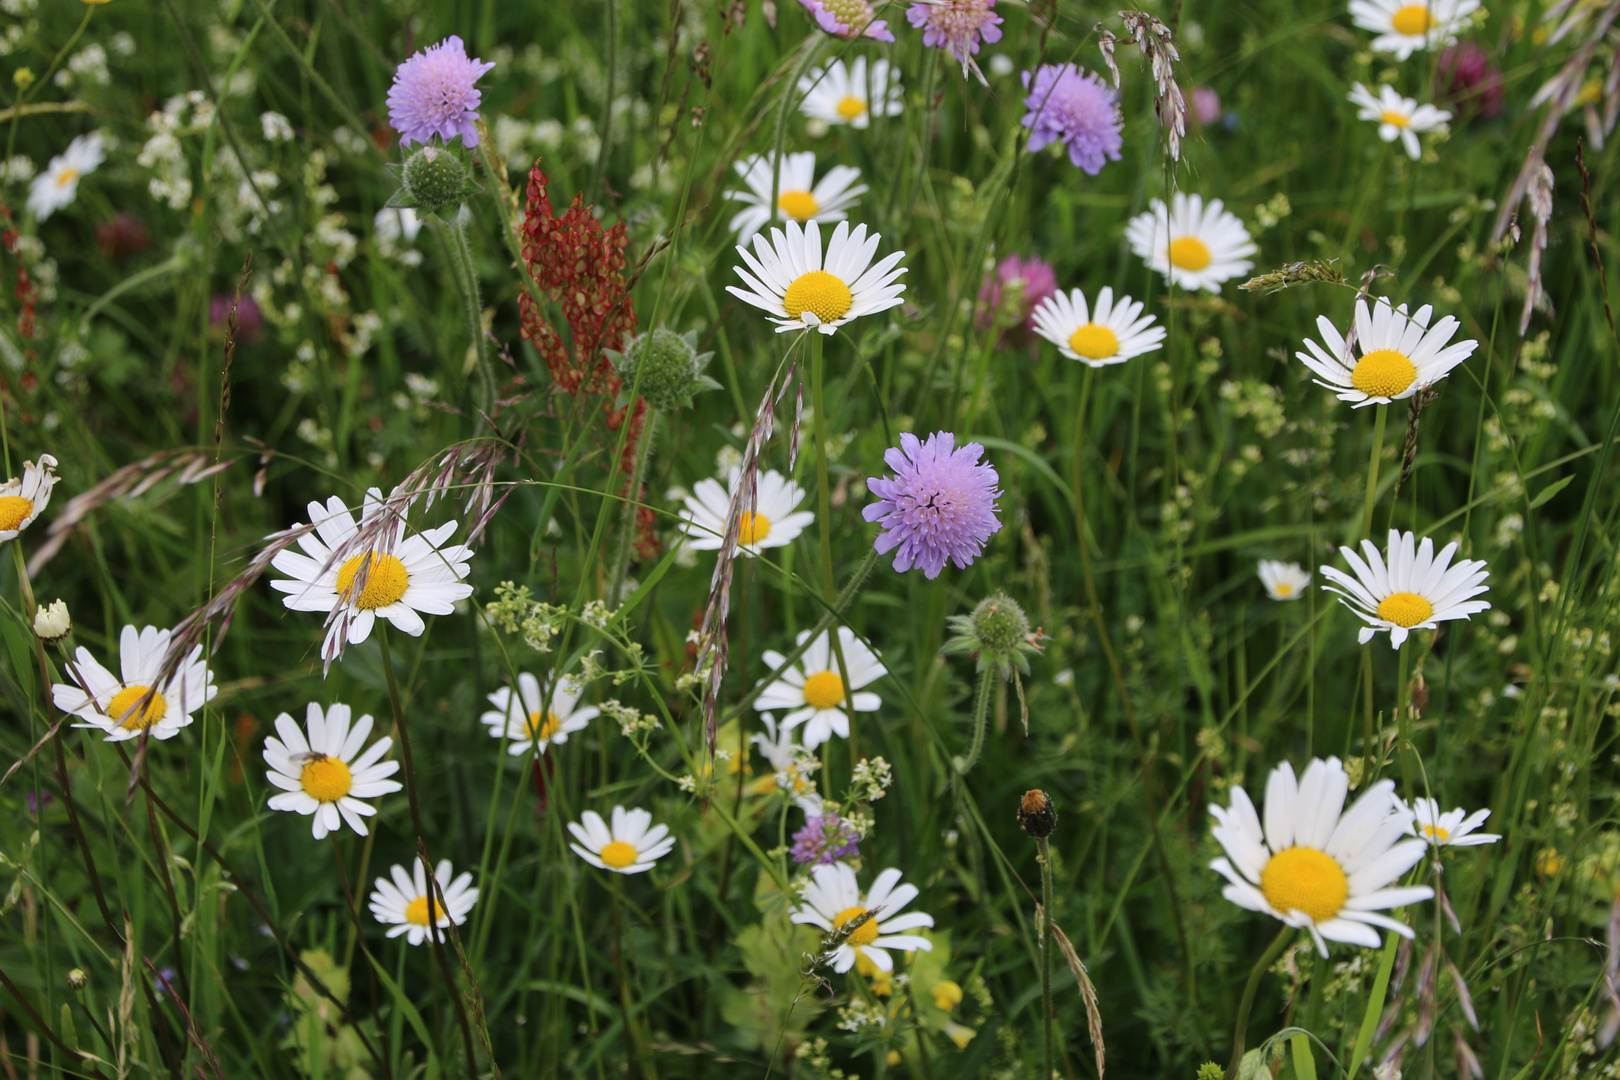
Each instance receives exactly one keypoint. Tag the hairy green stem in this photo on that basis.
(454, 238)
(638, 473)
(981, 714)
(1044, 857)
(1241, 1031)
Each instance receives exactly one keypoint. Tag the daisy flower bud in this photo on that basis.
(52, 624)
(1035, 814)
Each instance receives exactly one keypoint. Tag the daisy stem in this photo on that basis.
(981, 713)
(1372, 470)
(1403, 717)
(1240, 1032)
(829, 586)
(1043, 855)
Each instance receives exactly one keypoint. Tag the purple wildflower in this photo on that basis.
(1467, 80)
(249, 319)
(849, 18)
(1206, 105)
(957, 25)
(36, 800)
(824, 840)
(939, 505)
(433, 94)
(1075, 107)
(1030, 281)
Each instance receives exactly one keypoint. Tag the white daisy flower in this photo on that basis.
(1400, 354)
(1405, 26)
(832, 899)
(406, 906)
(851, 95)
(1453, 829)
(788, 279)
(410, 574)
(790, 771)
(814, 690)
(1110, 333)
(629, 847)
(126, 707)
(1193, 245)
(1414, 590)
(1284, 580)
(21, 500)
(517, 716)
(58, 185)
(325, 775)
(774, 521)
(798, 196)
(1313, 867)
(1397, 117)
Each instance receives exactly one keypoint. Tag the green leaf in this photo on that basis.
(1375, 1005)
(1549, 491)
(1304, 1064)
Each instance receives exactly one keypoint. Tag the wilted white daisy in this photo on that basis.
(58, 185)
(410, 574)
(788, 279)
(813, 690)
(22, 499)
(798, 196)
(851, 95)
(1110, 333)
(1400, 354)
(325, 775)
(1397, 117)
(1313, 867)
(832, 899)
(631, 846)
(406, 906)
(518, 716)
(126, 707)
(1453, 829)
(1404, 26)
(773, 522)
(1191, 244)
(1415, 589)
(1284, 580)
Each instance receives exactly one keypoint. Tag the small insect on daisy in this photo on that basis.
(433, 94)
(125, 708)
(1194, 245)
(773, 522)
(1284, 580)
(631, 846)
(1110, 333)
(58, 185)
(940, 505)
(1397, 117)
(833, 900)
(23, 498)
(851, 95)
(406, 905)
(1413, 589)
(1405, 26)
(1313, 867)
(1400, 354)
(325, 776)
(788, 279)
(813, 690)
(798, 196)
(1452, 829)
(519, 717)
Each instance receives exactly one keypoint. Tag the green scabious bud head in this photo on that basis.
(664, 368)
(997, 632)
(434, 181)
(1210, 1071)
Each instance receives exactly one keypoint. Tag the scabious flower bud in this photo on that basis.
(52, 624)
(1035, 815)
(433, 181)
(997, 633)
(1210, 1071)
(664, 367)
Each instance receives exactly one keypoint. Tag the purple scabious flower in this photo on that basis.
(1029, 280)
(956, 25)
(823, 841)
(1466, 79)
(433, 94)
(940, 504)
(849, 18)
(1075, 107)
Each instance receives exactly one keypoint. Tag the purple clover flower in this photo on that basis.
(957, 26)
(1032, 279)
(433, 94)
(849, 18)
(1466, 79)
(1075, 107)
(823, 841)
(941, 503)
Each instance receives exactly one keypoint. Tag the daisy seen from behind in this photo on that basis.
(58, 185)
(1284, 581)
(324, 775)
(1109, 333)
(1409, 588)
(789, 280)
(1397, 117)
(23, 498)
(799, 197)
(1455, 828)
(434, 94)
(406, 906)
(1405, 26)
(126, 707)
(813, 690)
(631, 845)
(833, 899)
(1400, 353)
(1193, 244)
(518, 715)
(1315, 865)
(774, 521)
(939, 505)
(853, 94)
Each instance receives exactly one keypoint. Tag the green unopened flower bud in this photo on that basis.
(433, 181)
(997, 632)
(1210, 1071)
(52, 624)
(77, 979)
(663, 367)
(1035, 814)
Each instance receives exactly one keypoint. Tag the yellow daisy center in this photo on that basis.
(546, 727)
(385, 583)
(122, 708)
(14, 510)
(823, 690)
(1412, 20)
(1383, 373)
(820, 292)
(1304, 879)
(1404, 609)
(417, 910)
(864, 934)
(1437, 834)
(618, 854)
(66, 176)
(752, 527)
(326, 779)
(1400, 120)
(851, 107)
(798, 205)
(1094, 342)
(1189, 253)
(1282, 588)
